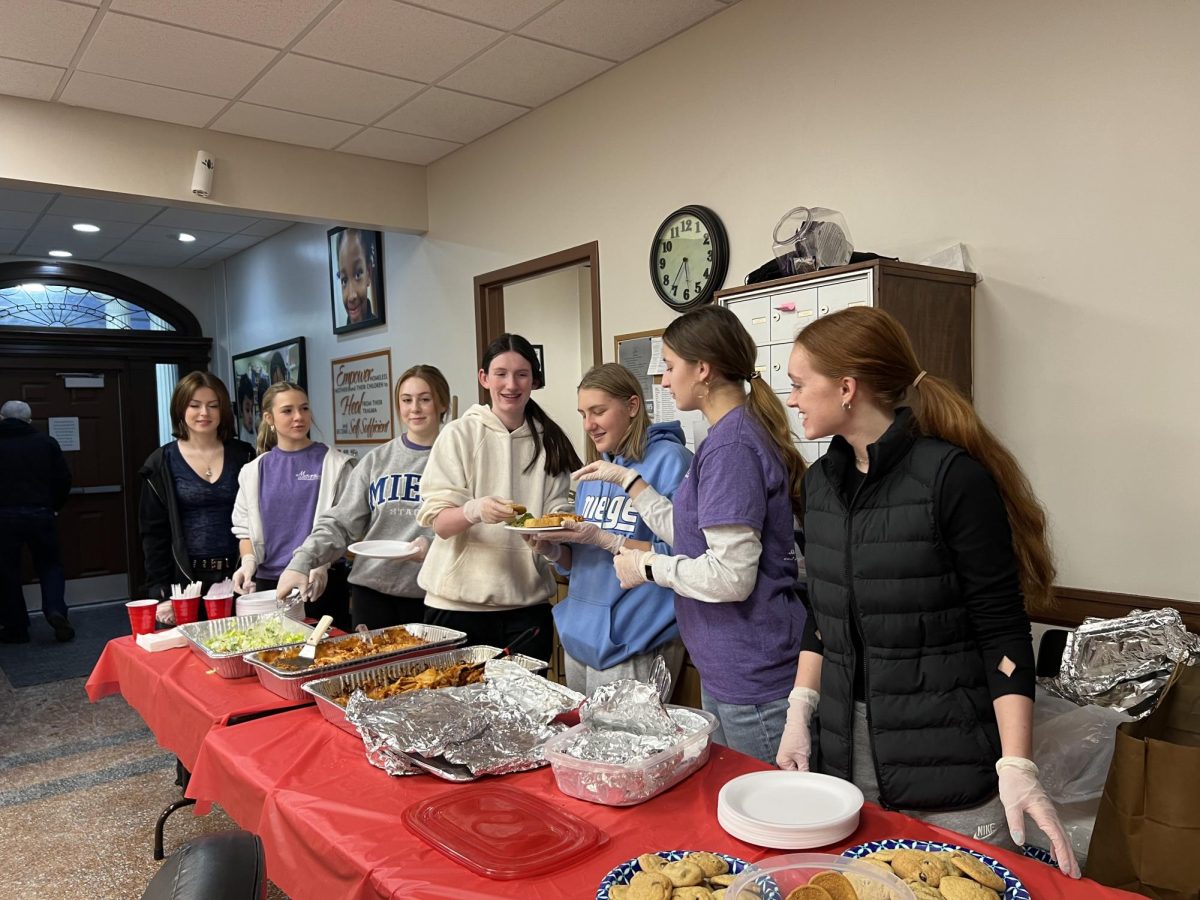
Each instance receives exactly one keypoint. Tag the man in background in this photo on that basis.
(34, 484)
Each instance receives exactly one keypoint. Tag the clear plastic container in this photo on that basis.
(781, 875)
(626, 784)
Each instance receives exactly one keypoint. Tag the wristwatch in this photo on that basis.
(649, 573)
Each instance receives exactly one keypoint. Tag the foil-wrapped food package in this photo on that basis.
(1124, 663)
(627, 706)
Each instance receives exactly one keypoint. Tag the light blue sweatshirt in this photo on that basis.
(600, 623)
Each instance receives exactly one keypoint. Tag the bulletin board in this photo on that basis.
(641, 353)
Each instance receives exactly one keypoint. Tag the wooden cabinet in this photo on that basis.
(934, 306)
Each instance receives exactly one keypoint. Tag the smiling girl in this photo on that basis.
(280, 493)
(480, 578)
(380, 503)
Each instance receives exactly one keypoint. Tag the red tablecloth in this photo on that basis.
(331, 823)
(175, 694)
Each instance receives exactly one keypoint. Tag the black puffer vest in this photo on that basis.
(876, 563)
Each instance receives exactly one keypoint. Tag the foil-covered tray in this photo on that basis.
(287, 683)
(323, 690)
(233, 663)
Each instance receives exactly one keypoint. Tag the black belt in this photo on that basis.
(215, 564)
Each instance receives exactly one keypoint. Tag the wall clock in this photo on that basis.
(689, 257)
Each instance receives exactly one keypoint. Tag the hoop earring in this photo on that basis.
(846, 406)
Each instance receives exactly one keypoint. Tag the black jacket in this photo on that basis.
(878, 565)
(33, 471)
(164, 546)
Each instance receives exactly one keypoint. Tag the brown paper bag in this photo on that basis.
(1147, 834)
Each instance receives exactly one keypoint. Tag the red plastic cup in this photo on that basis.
(218, 607)
(141, 615)
(186, 609)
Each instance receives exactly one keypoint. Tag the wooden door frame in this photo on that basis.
(489, 294)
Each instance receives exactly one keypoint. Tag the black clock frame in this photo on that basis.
(720, 261)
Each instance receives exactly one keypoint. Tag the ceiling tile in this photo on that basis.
(187, 219)
(280, 125)
(167, 236)
(160, 54)
(26, 79)
(62, 227)
(83, 246)
(132, 98)
(522, 71)
(617, 29)
(507, 15)
(10, 218)
(44, 31)
(88, 209)
(267, 227)
(201, 262)
(144, 253)
(271, 22)
(399, 40)
(409, 148)
(238, 242)
(10, 238)
(319, 88)
(451, 116)
(24, 201)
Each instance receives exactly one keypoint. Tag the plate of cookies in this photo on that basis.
(938, 871)
(676, 874)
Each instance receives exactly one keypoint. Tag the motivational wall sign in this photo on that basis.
(362, 398)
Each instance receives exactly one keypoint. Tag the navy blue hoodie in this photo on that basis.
(600, 623)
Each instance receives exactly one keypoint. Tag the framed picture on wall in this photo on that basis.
(256, 370)
(541, 356)
(356, 278)
(362, 398)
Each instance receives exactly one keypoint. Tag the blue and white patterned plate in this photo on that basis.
(623, 873)
(1013, 889)
(1039, 854)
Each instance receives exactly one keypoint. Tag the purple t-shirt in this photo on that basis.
(288, 482)
(746, 652)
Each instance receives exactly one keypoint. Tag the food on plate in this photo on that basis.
(835, 884)
(520, 514)
(683, 873)
(455, 675)
(267, 633)
(977, 870)
(808, 892)
(333, 652)
(650, 886)
(944, 875)
(697, 876)
(550, 520)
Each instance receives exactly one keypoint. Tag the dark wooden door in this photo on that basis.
(93, 525)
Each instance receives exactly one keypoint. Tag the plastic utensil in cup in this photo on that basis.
(186, 609)
(218, 607)
(141, 615)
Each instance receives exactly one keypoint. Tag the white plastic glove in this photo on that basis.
(600, 470)
(318, 578)
(795, 747)
(1022, 794)
(422, 549)
(243, 578)
(488, 510)
(630, 566)
(588, 533)
(164, 613)
(289, 581)
(549, 549)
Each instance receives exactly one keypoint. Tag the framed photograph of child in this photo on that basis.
(356, 278)
(256, 370)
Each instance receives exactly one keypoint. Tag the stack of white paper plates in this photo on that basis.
(789, 810)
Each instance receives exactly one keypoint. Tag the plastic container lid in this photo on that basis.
(501, 832)
(786, 873)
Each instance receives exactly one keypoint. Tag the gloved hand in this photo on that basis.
(600, 470)
(1022, 793)
(588, 533)
(289, 581)
(795, 747)
(318, 578)
(630, 566)
(243, 578)
(421, 549)
(549, 549)
(488, 510)
(164, 613)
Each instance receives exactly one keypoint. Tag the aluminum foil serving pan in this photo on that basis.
(325, 689)
(287, 683)
(232, 664)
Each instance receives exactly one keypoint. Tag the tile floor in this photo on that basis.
(81, 787)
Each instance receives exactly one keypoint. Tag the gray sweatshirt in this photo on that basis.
(379, 503)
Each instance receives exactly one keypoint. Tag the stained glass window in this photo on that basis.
(62, 306)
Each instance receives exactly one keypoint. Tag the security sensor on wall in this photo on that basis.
(202, 177)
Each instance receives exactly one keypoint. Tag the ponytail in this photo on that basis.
(764, 407)
(560, 452)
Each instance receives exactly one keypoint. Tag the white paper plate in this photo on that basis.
(521, 529)
(383, 549)
(789, 810)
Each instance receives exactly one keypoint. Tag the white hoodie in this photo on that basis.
(486, 567)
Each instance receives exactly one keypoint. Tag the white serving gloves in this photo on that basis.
(243, 578)
(1022, 794)
(795, 747)
(601, 470)
(488, 510)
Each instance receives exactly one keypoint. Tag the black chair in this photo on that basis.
(229, 866)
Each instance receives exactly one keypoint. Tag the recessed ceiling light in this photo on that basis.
(186, 238)
(62, 254)
(85, 227)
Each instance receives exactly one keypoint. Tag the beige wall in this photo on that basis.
(1054, 139)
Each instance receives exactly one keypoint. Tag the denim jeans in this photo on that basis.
(36, 527)
(751, 729)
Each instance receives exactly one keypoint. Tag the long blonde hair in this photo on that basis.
(716, 336)
(620, 384)
(869, 345)
(267, 438)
